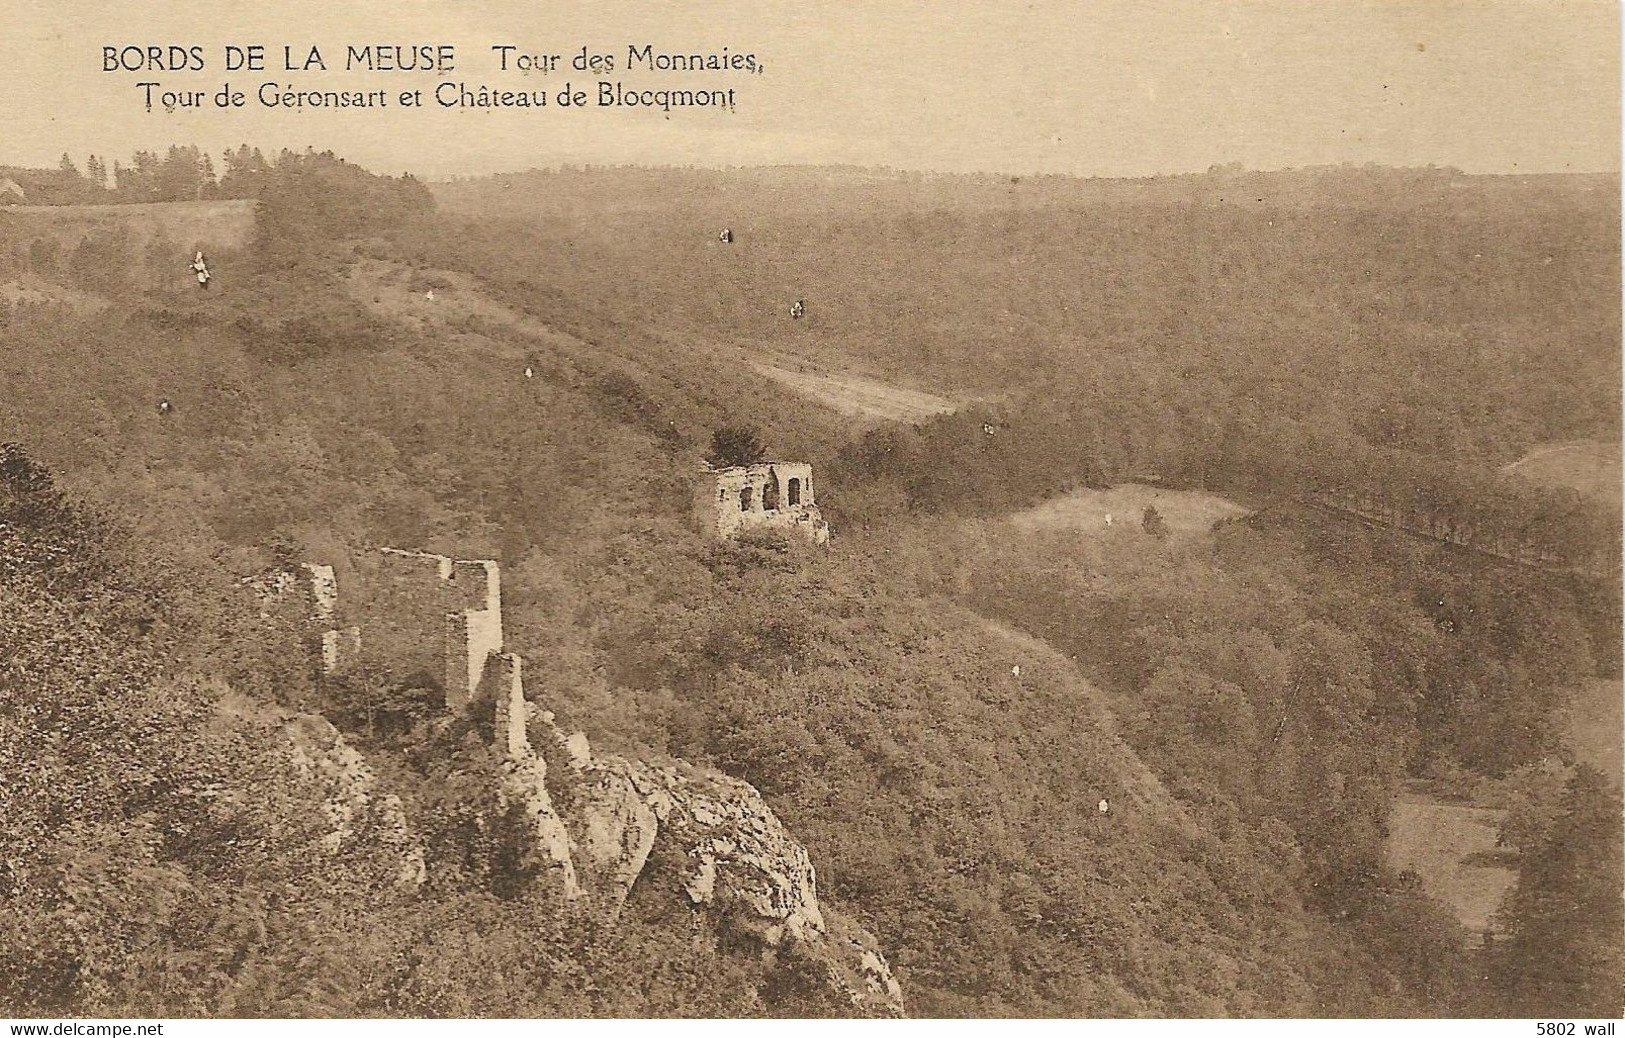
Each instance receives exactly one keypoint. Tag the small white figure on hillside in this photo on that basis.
(1108, 518)
(987, 427)
(164, 406)
(726, 237)
(1016, 670)
(798, 309)
(529, 373)
(1105, 808)
(429, 295)
(201, 269)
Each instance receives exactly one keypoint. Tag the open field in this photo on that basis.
(1442, 843)
(1185, 511)
(857, 396)
(1596, 727)
(1591, 467)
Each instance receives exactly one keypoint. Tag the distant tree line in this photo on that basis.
(183, 173)
(307, 201)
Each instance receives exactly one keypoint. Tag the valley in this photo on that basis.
(1051, 425)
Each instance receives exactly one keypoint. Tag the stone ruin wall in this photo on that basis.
(312, 597)
(418, 613)
(411, 614)
(422, 613)
(507, 680)
(476, 635)
(338, 643)
(770, 495)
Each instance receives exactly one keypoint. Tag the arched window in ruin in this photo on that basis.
(770, 492)
(744, 499)
(793, 491)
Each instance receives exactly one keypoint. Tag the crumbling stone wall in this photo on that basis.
(505, 678)
(339, 645)
(769, 495)
(313, 594)
(481, 633)
(414, 613)
(400, 602)
(431, 614)
(324, 590)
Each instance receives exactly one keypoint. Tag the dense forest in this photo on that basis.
(935, 704)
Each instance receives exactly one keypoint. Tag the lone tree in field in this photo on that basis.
(736, 445)
(1153, 523)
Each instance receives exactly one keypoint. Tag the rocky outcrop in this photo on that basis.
(351, 801)
(524, 782)
(731, 854)
(609, 826)
(616, 827)
(737, 857)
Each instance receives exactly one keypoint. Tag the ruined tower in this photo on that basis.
(430, 614)
(767, 495)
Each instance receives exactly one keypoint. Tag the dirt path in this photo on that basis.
(1546, 452)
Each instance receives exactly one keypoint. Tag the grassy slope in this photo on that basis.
(1440, 841)
(1184, 511)
(1595, 725)
(211, 226)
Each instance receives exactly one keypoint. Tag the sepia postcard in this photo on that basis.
(521, 510)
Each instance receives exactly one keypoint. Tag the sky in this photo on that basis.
(1085, 87)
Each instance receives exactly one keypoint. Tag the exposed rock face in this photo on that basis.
(626, 821)
(854, 965)
(617, 827)
(525, 781)
(736, 859)
(352, 803)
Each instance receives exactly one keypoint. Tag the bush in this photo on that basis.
(736, 445)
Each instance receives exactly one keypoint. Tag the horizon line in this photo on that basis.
(1233, 168)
